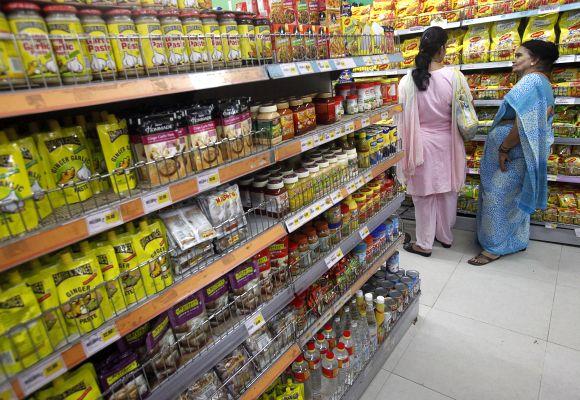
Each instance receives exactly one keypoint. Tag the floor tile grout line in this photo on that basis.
(422, 385)
(555, 290)
(447, 282)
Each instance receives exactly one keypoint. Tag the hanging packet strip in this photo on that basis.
(202, 136)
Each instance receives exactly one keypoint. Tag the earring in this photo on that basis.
(533, 64)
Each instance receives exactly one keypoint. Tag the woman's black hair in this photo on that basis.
(546, 53)
(432, 40)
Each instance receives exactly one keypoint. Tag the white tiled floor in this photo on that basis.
(510, 330)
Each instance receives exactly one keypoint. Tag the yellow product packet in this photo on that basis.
(505, 39)
(22, 347)
(17, 211)
(80, 384)
(542, 27)
(36, 175)
(114, 138)
(107, 260)
(476, 44)
(569, 32)
(454, 46)
(82, 294)
(39, 280)
(152, 241)
(129, 257)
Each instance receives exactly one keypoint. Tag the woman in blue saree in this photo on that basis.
(514, 165)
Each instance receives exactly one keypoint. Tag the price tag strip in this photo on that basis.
(577, 232)
(254, 323)
(552, 178)
(306, 144)
(305, 68)
(336, 196)
(100, 339)
(365, 122)
(42, 373)
(155, 201)
(551, 225)
(364, 232)
(324, 65)
(104, 220)
(333, 258)
(289, 69)
(208, 179)
(349, 128)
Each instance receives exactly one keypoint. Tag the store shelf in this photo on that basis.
(486, 65)
(487, 103)
(319, 268)
(557, 140)
(522, 14)
(568, 100)
(564, 179)
(287, 70)
(386, 72)
(421, 29)
(365, 377)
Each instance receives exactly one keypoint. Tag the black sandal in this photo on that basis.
(409, 247)
(487, 259)
(445, 245)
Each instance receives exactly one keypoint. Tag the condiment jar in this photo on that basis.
(325, 108)
(175, 47)
(286, 120)
(257, 193)
(287, 170)
(254, 111)
(294, 192)
(314, 171)
(313, 240)
(300, 115)
(99, 46)
(323, 235)
(194, 38)
(343, 90)
(305, 184)
(230, 39)
(310, 112)
(293, 258)
(213, 39)
(378, 94)
(370, 201)
(304, 249)
(276, 197)
(354, 216)
(125, 42)
(352, 104)
(263, 38)
(187, 4)
(361, 203)
(245, 186)
(345, 216)
(339, 107)
(325, 179)
(268, 123)
(151, 37)
(335, 233)
(333, 170)
(247, 36)
(12, 73)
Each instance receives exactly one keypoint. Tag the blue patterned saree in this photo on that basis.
(507, 199)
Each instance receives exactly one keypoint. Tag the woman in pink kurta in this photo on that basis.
(434, 164)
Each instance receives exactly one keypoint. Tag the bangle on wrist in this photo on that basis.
(503, 149)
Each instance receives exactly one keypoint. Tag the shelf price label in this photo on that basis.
(385, 115)
(305, 68)
(552, 178)
(368, 176)
(340, 63)
(566, 100)
(293, 223)
(254, 323)
(6, 392)
(473, 171)
(289, 69)
(551, 225)
(365, 122)
(100, 339)
(155, 201)
(41, 374)
(349, 128)
(333, 258)
(306, 143)
(553, 8)
(104, 220)
(577, 232)
(368, 61)
(364, 232)
(324, 65)
(377, 60)
(351, 188)
(336, 196)
(208, 179)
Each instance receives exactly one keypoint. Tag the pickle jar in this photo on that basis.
(247, 37)
(263, 38)
(213, 40)
(230, 39)
(125, 42)
(98, 43)
(194, 39)
(187, 4)
(175, 48)
(34, 46)
(151, 38)
(293, 188)
(12, 73)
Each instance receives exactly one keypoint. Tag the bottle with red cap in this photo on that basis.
(301, 374)
(312, 357)
(349, 344)
(343, 361)
(330, 336)
(321, 344)
(329, 382)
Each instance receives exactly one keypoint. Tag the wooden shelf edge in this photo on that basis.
(270, 375)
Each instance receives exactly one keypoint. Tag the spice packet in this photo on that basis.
(236, 366)
(161, 354)
(244, 282)
(206, 387)
(188, 226)
(129, 257)
(121, 377)
(203, 136)
(235, 127)
(215, 297)
(78, 384)
(257, 342)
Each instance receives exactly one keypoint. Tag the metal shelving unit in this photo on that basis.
(557, 140)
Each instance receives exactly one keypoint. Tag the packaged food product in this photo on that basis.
(269, 125)
(410, 49)
(175, 46)
(224, 210)
(234, 128)
(263, 38)
(230, 39)
(129, 257)
(188, 226)
(125, 42)
(505, 39)
(18, 214)
(407, 8)
(542, 27)
(213, 40)
(98, 44)
(279, 262)
(195, 41)
(121, 375)
(476, 44)
(235, 365)
(572, 166)
(161, 355)
(569, 39)
(257, 343)
(244, 281)
(206, 387)
(12, 72)
(79, 383)
(21, 347)
(565, 74)
(454, 46)
(151, 40)
(202, 129)
(262, 260)
(215, 297)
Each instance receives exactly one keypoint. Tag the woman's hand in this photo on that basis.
(503, 159)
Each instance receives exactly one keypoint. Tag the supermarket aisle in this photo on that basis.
(507, 331)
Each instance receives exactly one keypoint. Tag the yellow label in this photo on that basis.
(125, 46)
(36, 175)
(10, 63)
(175, 48)
(196, 44)
(231, 41)
(213, 42)
(152, 44)
(99, 48)
(263, 41)
(163, 198)
(247, 41)
(35, 51)
(109, 333)
(129, 259)
(156, 273)
(52, 367)
(183, 4)
(71, 53)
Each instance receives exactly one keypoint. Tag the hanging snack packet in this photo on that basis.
(454, 47)
(236, 366)
(17, 210)
(21, 348)
(234, 128)
(188, 226)
(162, 354)
(262, 260)
(245, 284)
(215, 296)
(189, 322)
(79, 384)
(476, 44)
(121, 376)
(505, 39)
(203, 137)
(410, 49)
(542, 27)
(36, 175)
(129, 257)
(206, 387)
(256, 343)
(569, 32)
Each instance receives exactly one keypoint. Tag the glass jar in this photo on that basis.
(352, 159)
(254, 111)
(247, 37)
(345, 216)
(195, 40)
(213, 40)
(378, 94)
(305, 185)
(325, 180)
(300, 115)
(314, 171)
(293, 258)
(99, 46)
(71, 54)
(333, 215)
(263, 38)
(361, 96)
(245, 186)
(342, 165)
(354, 217)
(268, 122)
(276, 197)
(325, 108)
(335, 178)
(304, 250)
(151, 40)
(352, 104)
(292, 186)
(323, 236)
(286, 170)
(313, 241)
(175, 47)
(125, 42)
(363, 150)
(310, 112)
(361, 204)
(335, 233)
(230, 39)
(376, 188)
(286, 120)
(343, 90)
(339, 107)
(257, 193)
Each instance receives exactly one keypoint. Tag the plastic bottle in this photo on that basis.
(354, 315)
(312, 357)
(358, 347)
(329, 375)
(330, 336)
(337, 327)
(346, 319)
(360, 302)
(344, 372)
(371, 321)
(301, 374)
(321, 344)
(349, 345)
(380, 317)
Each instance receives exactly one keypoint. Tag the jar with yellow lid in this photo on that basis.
(286, 120)
(325, 179)
(98, 44)
(11, 69)
(362, 207)
(151, 38)
(363, 150)
(333, 170)
(247, 37)
(354, 216)
(195, 40)
(230, 39)
(376, 188)
(175, 48)
(213, 39)
(125, 41)
(188, 4)
(368, 192)
(34, 47)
